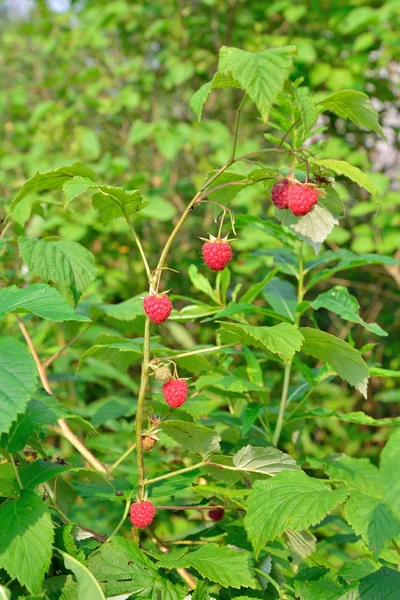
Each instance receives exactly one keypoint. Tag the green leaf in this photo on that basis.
(308, 110)
(301, 544)
(122, 567)
(26, 540)
(313, 228)
(261, 75)
(39, 299)
(268, 461)
(5, 593)
(371, 518)
(390, 460)
(341, 167)
(346, 361)
(226, 194)
(283, 339)
(358, 417)
(228, 567)
(381, 585)
(282, 296)
(355, 106)
(39, 471)
(65, 541)
(41, 410)
(52, 180)
(199, 98)
(324, 588)
(201, 283)
(354, 570)
(291, 500)
(229, 383)
(123, 311)
(339, 301)
(61, 261)
(112, 349)
(88, 586)
(75, 187)
(194, 438)
(114, 202)
(358, 473)
(61, 587)
(17, 380)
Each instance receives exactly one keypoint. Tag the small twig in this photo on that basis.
(200, 508)
(288, 131)
(66, 431)
(122, 457)
(49, 360)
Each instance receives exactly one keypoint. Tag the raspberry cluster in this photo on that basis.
(142, 513)
(298, 197)
(175, 392)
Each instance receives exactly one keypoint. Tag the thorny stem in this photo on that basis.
(66, 431)
(288, 366)
(140, 407)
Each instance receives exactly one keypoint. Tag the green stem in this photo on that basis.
(396, 546)
(282, 407)
(288, 131)
(140, 407)
(236, 128)
(138, 243)
(268, 578)
(14, 466)
(288, 366)
(123, 457)
(201, 351)
(124, 516)
(175, 473)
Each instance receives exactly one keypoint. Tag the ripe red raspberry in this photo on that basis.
(302, 198)
(175, 392)
(216, 514)
(157, 307)
(216, 254)
(280, 192)
(142, 514)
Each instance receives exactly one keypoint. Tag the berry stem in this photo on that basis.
(124, 516)
(175, 473)
(140, 406)
(123, 457)
(201, 351)
(14, 466)
(288, 366)
(236, 128)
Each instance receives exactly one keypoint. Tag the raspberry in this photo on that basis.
(216, 254)
(157, 307)
(142, 514)
(279, 193)
(175, 392)
(162, 373)
(148, 442)
(216, 514)
(302, 198)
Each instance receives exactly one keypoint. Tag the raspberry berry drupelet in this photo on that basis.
(157, 307)
(216, 253)
(175, 392)
(142, 513)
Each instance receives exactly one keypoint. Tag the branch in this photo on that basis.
(66, 431)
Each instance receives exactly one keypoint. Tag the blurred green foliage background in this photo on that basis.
(109, 83)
